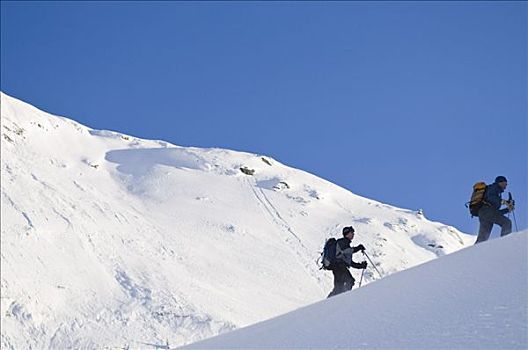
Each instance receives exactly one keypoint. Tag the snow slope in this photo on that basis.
(473, 299)
(110, 240)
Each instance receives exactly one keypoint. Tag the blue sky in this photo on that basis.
(408, 103)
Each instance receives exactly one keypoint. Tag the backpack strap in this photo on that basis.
(339, 251)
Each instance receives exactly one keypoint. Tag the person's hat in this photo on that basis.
(500, 179)
(347, 230)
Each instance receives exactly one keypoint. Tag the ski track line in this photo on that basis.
(277, 215)
(279, 221)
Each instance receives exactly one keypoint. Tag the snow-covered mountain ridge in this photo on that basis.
(473, 299)
(109, 240)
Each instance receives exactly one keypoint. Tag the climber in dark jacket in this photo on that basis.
(343, 280)
(491, 212)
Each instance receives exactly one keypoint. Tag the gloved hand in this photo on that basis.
(511, 206)
(364, 265)
(360, 247)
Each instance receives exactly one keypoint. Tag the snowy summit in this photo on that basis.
(109, 240)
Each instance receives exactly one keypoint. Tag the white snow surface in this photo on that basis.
(473, 299)
(111, 241)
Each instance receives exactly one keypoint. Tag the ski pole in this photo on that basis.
(511, 201)
(372, 264)
(515, 221)
(361, 279)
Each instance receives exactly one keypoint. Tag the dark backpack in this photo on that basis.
(328, 256)
(477, 198)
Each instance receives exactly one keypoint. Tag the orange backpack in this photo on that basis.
(477, 198)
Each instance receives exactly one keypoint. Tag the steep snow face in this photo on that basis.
(473, 299)
(110, 240)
